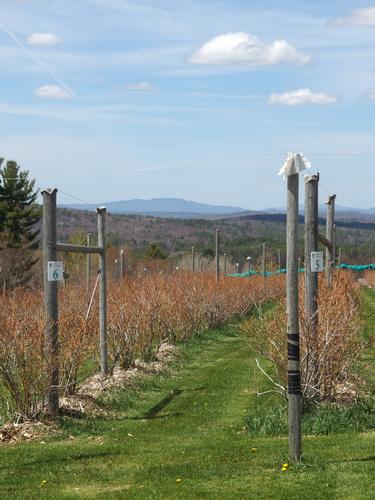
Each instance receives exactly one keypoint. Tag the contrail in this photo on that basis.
(37, 61)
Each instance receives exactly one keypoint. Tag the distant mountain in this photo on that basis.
(162, 207)
(346, 212)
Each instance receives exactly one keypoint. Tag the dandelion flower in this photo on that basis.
(254, 450)
(178, 480)
(44, 482)
(286, 465)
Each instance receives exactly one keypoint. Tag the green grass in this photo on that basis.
(188, 426)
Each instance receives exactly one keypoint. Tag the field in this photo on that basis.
(184, 435)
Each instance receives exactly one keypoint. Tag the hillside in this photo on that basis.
(241, 235)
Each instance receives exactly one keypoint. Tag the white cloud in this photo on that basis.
(358, 17)
(246, 49)
(301, 97)
(140, 87)
(42, 39)
(52, 92)
(371, 95)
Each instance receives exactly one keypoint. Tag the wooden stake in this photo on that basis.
(50, 300)
(217, 254)
(102, 293)
(311, 280)
(294, 375)
(330, 237)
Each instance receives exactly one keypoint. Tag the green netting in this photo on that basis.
(302, 270)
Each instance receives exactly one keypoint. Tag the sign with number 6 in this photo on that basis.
(55, 271)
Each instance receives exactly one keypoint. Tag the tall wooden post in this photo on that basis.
(311, 279)
(50, 300)
(193, 259)
(330, 236)
(264, 269)
(279, 258)
(88, 265)
(122, 257)
(217, 254)
(225, 264)
(339, 258)
(101, 211)
(294, 375)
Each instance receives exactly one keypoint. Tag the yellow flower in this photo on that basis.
(178, 480)
(285, 465)
(44, 482)
(284, 469)
(254, 450)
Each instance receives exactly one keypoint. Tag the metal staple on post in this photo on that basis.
(50, 299)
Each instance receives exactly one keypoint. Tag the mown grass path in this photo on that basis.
(183, 436)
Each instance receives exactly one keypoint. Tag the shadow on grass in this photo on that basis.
(55, 458)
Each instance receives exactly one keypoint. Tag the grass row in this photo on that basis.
(186, 435)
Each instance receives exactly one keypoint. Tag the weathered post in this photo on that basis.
(293, 165)
(279, 258)
(88, 265)
(225, 264)
(50, 300)
(217, 254)
(330, 237)
(311, 279)
(264, 270)
(339, 258)
(101, 211)
(122, 264)
(294, 376)
(193, 259)
(249, 264)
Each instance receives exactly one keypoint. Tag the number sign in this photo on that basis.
(316, 262)
(55, 271)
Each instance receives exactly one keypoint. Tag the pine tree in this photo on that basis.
(19, 214)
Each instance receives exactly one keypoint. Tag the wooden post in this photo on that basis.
(193, 259)
(249, 264)
(122, 264)
(339, 257)
(102, 293)
(88, 265)
(264, 266)
(50, 300)
(225, 264)
(330, 237)
(279, 258)
(217, 254)
(294, 376)
(311, 280)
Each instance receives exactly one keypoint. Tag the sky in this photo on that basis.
(116, 99)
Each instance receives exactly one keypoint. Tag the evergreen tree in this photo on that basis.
(19, 214)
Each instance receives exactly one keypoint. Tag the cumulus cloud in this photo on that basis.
(246, 49)
(52, 92)
(140, 87)
(42, 39)
(371, 94)
(358, 17)
(300, 97)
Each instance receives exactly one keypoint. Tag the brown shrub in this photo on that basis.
(142, 313)
(337, 345)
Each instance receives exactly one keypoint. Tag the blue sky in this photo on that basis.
(117, 99)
